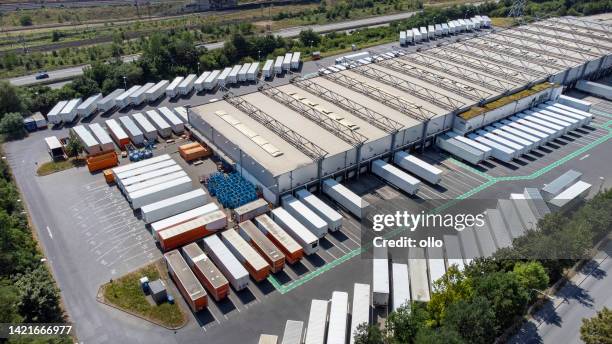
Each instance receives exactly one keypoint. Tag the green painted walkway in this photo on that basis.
(285, 288)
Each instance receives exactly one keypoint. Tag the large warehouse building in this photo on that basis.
(335, 123)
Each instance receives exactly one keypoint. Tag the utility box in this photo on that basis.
(158, 292)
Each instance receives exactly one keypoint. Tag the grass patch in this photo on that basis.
(56, 166)
(125, 293)
(503, 22)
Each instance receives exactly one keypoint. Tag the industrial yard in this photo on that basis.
(252, 182)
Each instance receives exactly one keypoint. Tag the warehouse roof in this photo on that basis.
(286, 162)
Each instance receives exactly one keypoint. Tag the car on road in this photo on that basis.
(42, 75)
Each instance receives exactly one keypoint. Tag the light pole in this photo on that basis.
(125, 82)
(258, 55)
(198, 67)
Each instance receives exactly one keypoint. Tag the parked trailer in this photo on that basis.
(345, 197)
(207, 273)
(445, 30)
(54, 116)
(181, 112)
(89, 106)
(431, 32)
(525, 144)
(172, 90)
(498, 151)
(184, 217)
(536, 203)
(574, 103)
(436, 265)
(117, 133)
(296, 230)
(89, 142)
(478, 146)
(156, 193)
(438, 30)
(582, 120)
(293, 332)
(140, 95)
(338, 318)
(251, 210)
(453, 251)
(570, 196)
(544, 137)
(533, 141)
(409, 37)
(287, 61)
(544, 121)
(380, 277)
(295, 60)
(69, 112)
(236, 274)
(569, 122)
(395, 176)
(498, 228)
(110, 101)
(156, 91)
(185, 280)
(554, 188)
(401, 286)
(232, 78)
(418, 167)
(253, 71)
(291, 249)
(317, 322)
(134, 182)
(360, 313)
(176, 124)
(223, 77)
(199, 82)
(163, 176)
(186, 85)
(460, 149)
(419, 290)
(267, 339)
(304, 215)
(417, 35)
(128, 177)
(255, 264)
(242, 73)
(329, 215)
(135, 165)
(163, 128)
(533, 125)
(511, 217)
(192, 230)
(517, 149)
(423, 31)
(278, 65)
(273, 256)
(212, 80)
(267, 70)
(106, 143)
(173, 205)
(149, 131)
(54, 147)
(123, 100)
(134, 133)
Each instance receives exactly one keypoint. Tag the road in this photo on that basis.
(560, 319)
(71, 72)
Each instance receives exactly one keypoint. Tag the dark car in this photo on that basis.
(42, 75)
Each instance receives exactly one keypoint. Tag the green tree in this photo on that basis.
(84, 87)
(38, 296)
(73, 147)
(452, 287)
(11, 125)
(507, 296)
(428, 335)
(10, 99)
(531, 275)
(368, 334)
(309, 38)
(9, 296)
(406, 321)
(474, 320)
(25, 20)
(598, 329)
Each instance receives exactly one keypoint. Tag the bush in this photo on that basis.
(11, 125)
(25, 20)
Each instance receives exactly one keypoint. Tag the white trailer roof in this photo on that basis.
(161, 84)
(53, 143)
(197, 193)
(253, 68)
(183, 217)
(212, 76)
(170, 116)
(100, 133)
(243, 249)
(142, 90)
(235, 70)
(116, 129)
(338, 314)
(186, 226)
(89, 101)
(144, 122)
(111, 96)
(156, 177)
(127, 93)
(130, 126)
(230, 262)
(570, 193)
(287, 58)
(279, 62)
(295, 226)
(57, 108)
(380, 279)
(225, 73)
(316, 202)
(175, 83)
(85, 136)
(268, 65)
(141, 163)
(202, 78)
(317, 322)
(71, 106)
(360, 313)
(140, 174)
(158, 120)
(244, 69)
(401, 285)
(296, 57)
(188, 80)
(285, 239)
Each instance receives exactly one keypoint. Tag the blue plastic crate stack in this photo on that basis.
(231, 189)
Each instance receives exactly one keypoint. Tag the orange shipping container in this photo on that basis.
(190, 231)
(195, 153)
(109, 176)
(210, 276)
(102, 161)
(185, 280)
(189, 146)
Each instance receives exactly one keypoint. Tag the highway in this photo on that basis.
(560, 319)
(60, 75)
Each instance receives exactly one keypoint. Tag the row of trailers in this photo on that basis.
(416, 35)
(130, 130)
(328, 320)
(282, 64)
(510, 138)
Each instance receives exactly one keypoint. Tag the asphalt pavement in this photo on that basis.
(560, 319)
(71, 72)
